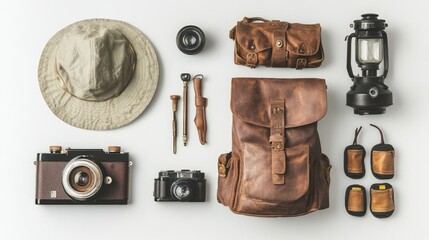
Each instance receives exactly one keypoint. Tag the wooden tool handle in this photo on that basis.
(198, 85)
(175, 99)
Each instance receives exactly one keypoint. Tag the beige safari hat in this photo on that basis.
(98, 74)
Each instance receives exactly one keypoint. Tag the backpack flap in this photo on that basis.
(305, 100)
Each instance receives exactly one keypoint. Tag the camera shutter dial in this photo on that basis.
(114, 149)
(55, 149)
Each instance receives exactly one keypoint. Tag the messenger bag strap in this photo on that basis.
(277, 140)
(278, 58)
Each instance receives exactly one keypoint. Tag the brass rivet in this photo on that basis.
(252, 47)
(277, 111)
(279, 43)
(278, 146)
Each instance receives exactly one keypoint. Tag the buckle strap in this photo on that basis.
(301, 63)
(278, 57)
(277, 141)
(252, 60)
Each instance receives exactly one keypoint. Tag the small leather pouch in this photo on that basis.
(354, 165)
(382, 204)
(277, 44)
(382, 159)
(356, 200)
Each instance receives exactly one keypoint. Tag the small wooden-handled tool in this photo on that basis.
(174, 99)
(186, 77)
(200, 114)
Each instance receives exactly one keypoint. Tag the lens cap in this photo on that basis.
(190, 40)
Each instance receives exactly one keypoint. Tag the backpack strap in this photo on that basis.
(277, 140)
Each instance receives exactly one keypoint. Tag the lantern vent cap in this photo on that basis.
(369, 22)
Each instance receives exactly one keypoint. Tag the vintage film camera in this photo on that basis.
(82, 176)
(184, 185)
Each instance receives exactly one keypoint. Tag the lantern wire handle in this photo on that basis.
(386, 54)
(349, 55)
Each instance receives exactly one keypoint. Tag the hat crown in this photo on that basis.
(95, 63)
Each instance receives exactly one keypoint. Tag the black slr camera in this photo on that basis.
(82, 176)
(184, 185)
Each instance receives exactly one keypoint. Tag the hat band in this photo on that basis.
(64, 86)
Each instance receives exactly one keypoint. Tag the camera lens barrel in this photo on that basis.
(82, 178)
(182, 190)
(190, 40)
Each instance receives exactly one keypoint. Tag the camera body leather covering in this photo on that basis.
(50, 170)
(276, 167)
(277, 44)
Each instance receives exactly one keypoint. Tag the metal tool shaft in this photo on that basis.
(186, 77)
(175, 99)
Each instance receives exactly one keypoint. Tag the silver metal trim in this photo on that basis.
(81, 161)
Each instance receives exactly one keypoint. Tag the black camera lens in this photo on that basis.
(81, 179)
(182, 190)
(190, 40)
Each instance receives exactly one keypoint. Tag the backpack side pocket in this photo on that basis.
(228, 169)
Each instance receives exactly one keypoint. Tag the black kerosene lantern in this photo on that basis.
(369, 94)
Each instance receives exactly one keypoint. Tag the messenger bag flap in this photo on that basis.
(305, 100)
(301, 39)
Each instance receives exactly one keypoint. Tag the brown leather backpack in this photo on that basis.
(276, 167)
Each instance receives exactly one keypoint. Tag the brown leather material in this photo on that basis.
(301, 63)
(270, 114)
(355, 160)
(279, 49)
(200, 113)
(252, 60)
(382, 200)
(308, 100)
(277, 140)
(356, 201)
(224, 164)
(227, 185)
(277, 44)
(383, 162)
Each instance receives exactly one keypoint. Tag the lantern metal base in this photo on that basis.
(380, 110)
(369, 95)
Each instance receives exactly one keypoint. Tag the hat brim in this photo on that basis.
(112, 113)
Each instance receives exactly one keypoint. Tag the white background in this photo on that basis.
(28, 126)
